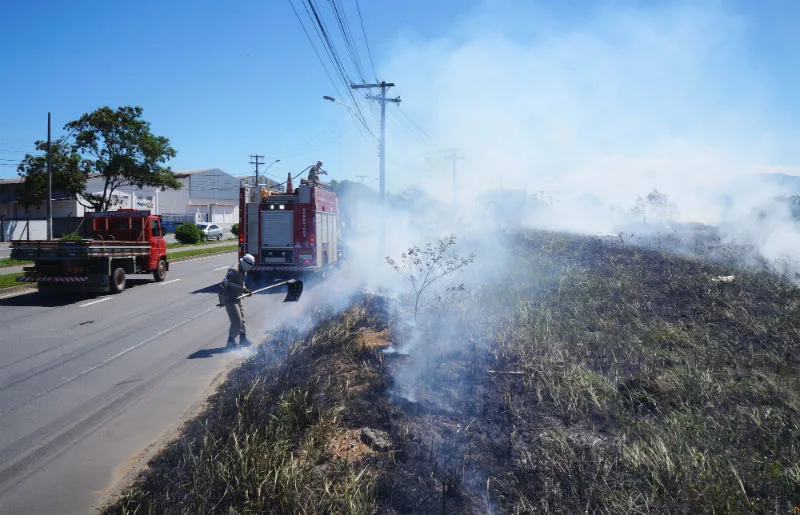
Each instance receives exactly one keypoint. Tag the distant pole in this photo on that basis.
(452, 154)
(256, 162)
(362, 177)
(49, 184)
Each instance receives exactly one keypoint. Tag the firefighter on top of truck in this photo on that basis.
(230, 290)
(314, 173)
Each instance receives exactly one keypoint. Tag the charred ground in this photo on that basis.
(594, 377)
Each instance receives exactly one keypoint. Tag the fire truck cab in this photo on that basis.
(289, 233)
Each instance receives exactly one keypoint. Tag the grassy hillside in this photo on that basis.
(592, 378)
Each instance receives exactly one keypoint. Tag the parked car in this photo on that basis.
(211, 231)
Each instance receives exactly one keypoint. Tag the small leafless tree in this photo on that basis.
(424, 266)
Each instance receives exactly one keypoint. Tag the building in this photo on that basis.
(210, 195)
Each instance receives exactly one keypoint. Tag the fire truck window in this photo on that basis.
(155, 231)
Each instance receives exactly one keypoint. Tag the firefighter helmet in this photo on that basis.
(247, 262)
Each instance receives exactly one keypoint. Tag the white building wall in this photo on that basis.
(61, 208)
(18, 230)
(212, 193)
(175, 201)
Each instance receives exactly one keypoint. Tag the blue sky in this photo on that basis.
(577, 90)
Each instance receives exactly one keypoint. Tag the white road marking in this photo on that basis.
(168, 282)
(96, 301)
(105, 362)
(220, 268)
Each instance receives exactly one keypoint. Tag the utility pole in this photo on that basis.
(49, 184)
(257, 162)
(383, 85)
(452, 154)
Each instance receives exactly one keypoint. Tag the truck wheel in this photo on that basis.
(161, 270)
(117, 280)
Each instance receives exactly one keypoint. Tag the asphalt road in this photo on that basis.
(89, 383)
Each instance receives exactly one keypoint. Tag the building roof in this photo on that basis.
(186, 173)
(12, 180)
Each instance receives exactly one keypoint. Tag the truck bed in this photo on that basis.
(33, 250)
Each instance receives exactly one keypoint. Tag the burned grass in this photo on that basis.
(595, 377)
(635, 381)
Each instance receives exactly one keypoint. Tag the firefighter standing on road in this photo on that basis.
(231, 288)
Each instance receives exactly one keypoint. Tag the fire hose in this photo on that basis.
(295, 290)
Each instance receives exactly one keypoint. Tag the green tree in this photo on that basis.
(118, 146)
(68, 176)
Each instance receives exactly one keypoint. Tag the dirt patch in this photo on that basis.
(346, 444)
(368, 338)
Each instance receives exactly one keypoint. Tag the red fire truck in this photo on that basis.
(126, 241)
(289, 233)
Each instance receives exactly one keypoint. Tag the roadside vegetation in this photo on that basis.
(7, 262)
(188, 233)
(591, 377)
(216, 249)
(178, 245)
(9, 280)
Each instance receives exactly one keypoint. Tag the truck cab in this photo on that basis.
(132, 225)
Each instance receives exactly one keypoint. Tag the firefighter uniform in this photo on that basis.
(314, 173)
(231, 288)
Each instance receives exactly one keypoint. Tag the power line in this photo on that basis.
(417, 127)
(313, 46)
(366, 41)
(410, 130)
(323, 34)
(406, 132)
(347, 36)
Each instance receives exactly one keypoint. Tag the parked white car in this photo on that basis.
(211, 231)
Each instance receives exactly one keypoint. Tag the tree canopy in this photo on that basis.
(118, 146)
(68, 176)
(114, 144)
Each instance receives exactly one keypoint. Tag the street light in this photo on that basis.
(265, 170)
(337, 101)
